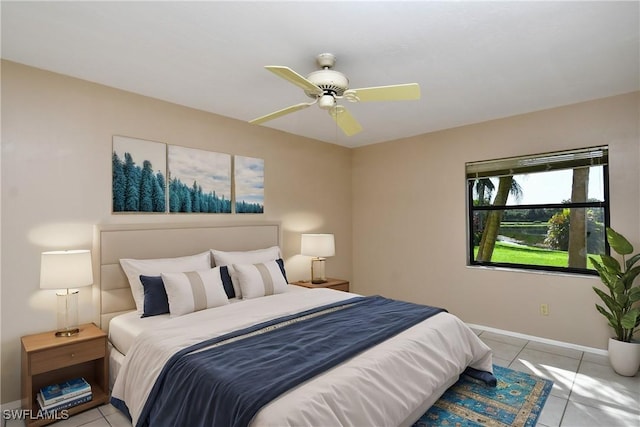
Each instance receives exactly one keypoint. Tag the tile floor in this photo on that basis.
(586, 391)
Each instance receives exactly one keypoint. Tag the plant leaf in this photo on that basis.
(634, 295)
(609, 302)
(606, 314)
(611, 263)
(604, 274)
(632, 260)
(630, 276)
(628, 321)
(619, 287)
(618, 242)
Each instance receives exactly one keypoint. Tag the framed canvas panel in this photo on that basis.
(249, 184)
(199, 181)
(139, 169)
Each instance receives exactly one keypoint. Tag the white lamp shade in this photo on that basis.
(66, 269)
(318, 245)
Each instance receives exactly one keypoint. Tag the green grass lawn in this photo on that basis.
(528, 255)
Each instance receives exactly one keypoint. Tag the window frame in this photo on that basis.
(471, 209)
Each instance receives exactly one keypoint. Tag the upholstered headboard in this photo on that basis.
(144, 241)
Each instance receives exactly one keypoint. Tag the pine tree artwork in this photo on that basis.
(199, 181)
(249, 184)
(153, 177)
(138, 178)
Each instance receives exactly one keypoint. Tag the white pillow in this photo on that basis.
(259, 280)
(194, 291)
(222, 258)
(133, 268)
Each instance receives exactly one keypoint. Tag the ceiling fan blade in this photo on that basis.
(403, 92)
(279, 113)
(345, 120)
(295, 78)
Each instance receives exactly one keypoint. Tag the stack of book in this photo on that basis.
(65, 395)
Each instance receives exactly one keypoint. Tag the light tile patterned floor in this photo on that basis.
(586, 391)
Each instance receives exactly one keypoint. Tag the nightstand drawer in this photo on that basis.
(342, 287)
(67, 355)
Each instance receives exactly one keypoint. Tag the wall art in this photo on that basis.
(249, 184)
(199, 181)
(138, 175)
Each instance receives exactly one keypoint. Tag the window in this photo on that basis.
(541, 212)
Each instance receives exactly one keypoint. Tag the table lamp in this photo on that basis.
(319, 246)
(66, 270)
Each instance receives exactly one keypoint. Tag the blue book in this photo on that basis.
(64, 391)
(65, 404)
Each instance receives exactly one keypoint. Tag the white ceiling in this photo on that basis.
(474, 61)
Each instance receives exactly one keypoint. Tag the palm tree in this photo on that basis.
(506, 185)
(578, 220)
(484, 188)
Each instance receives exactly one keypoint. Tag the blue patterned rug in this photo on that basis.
(517, 401)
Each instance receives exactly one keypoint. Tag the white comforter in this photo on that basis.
(386, 385)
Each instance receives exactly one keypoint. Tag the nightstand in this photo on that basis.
(47, 359)
(337, 284)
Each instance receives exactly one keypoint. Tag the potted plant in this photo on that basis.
(620, 307)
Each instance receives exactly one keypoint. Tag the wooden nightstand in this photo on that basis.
(47, 359)
(337, 284)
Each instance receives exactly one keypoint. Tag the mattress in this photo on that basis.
(125, 327)
(390, 384)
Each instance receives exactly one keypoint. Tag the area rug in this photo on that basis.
(516, 401)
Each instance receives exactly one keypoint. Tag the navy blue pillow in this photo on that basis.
(281, 265)
(155, 296)
(226, 282)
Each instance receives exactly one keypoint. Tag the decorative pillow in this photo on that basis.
(223, 258)
(194, 291)
(258, 280)
(155, 296)
(133, 268)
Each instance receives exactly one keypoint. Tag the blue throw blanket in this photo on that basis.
(227, 384)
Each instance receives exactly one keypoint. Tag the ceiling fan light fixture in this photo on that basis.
(326, 101)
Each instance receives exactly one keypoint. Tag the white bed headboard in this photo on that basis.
(143, 241)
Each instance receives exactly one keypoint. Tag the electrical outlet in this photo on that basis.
(544, 309)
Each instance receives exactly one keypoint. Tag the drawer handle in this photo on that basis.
(73, 355)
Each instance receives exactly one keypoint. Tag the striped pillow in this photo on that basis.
(194, 291)
(258, 280)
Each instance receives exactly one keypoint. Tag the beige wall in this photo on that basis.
(409, 223)
(56, 184)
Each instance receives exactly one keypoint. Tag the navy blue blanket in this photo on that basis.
(228, 384)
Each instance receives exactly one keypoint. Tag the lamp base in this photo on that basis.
(68, 332)
(317, 271)
(67, 313)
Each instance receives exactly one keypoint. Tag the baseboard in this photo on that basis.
(592, 350)
(9, 406)
(16, 404)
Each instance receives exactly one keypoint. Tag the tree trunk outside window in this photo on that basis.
(490, 233)
(578, 220)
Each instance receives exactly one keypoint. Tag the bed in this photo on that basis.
(391, 382)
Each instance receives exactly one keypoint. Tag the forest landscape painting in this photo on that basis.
(199, 181)
(138, 180)
(249, 184)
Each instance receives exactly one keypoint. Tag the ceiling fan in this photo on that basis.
(326, 86)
